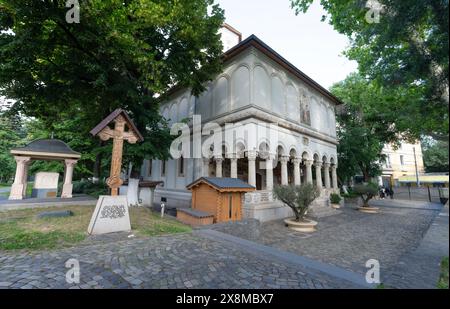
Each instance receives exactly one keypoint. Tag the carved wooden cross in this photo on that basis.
(118, 134)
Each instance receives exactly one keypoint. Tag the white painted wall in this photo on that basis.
(254, 79)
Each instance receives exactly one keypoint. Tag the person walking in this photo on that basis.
(391, 193)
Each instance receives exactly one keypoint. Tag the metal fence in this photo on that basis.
(429, 194)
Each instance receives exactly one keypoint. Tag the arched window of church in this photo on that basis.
(163, 168)
(149, 168)
(181, 167)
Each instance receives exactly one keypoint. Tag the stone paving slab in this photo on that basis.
(420, 268)
(348, 240)
(355, 279)
(272, 257)
(176, 261)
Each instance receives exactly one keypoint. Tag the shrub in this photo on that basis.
(335, 198)
(90, 188)
(350, 195)
(366, 191)
(298, 198)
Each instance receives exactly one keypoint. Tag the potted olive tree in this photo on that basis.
(367, 192)
(298, 198)
(335, 200)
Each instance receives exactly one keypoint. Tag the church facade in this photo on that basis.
(283, 130)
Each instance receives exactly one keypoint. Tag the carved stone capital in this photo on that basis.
(297, 160)
(251, 155)
(309, 163)
(70, 162)
(22, 160)
(284, 159)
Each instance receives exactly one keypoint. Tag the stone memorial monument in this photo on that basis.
(45, 185)
(111, 213)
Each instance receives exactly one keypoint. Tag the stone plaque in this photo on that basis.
(110, 215)
(46, 180)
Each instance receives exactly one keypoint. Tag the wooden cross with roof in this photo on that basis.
(121, 120)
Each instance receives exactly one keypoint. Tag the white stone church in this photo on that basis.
(256, 87)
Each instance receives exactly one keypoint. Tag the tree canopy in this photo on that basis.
(407, 50)
(435, 156)
(123, 54)
(363, 130)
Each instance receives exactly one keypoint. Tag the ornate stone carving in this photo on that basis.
(306, 141)
(113, 212)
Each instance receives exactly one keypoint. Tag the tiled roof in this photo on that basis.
(48, 145)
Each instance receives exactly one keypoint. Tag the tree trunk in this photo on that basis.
(98, 165)
(366, 176)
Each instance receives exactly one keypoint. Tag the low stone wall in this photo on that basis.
(266, 211)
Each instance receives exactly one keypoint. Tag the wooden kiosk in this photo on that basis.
(215, 200)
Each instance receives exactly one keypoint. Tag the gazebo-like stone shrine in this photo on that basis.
(42, 149)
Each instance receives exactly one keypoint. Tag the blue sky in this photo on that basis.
(311, 45)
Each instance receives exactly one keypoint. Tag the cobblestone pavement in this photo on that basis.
(346, 240)
(174, 261)
(351, 238)
(420, 268)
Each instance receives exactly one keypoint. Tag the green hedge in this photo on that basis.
(90, 188)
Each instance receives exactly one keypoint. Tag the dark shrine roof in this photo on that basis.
(47, 146)
(224, 183)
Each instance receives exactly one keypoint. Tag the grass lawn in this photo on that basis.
(443, 280)
(20, 229)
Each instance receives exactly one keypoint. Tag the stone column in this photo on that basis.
(269, 172)
(233, 167)
(251, 156)
(284, 173)
(297, 178)
(205, 167)
(318, 167)
(219, 161)
(19, 185)
(308, 165)
(25, 178)
(334, 176)
(68, 186)
(326, 172)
